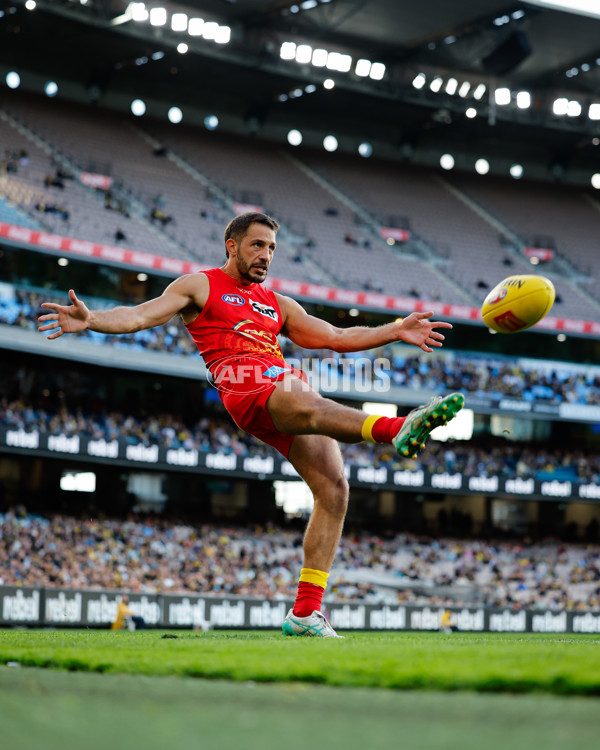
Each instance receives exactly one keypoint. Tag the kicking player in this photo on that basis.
(234, 321)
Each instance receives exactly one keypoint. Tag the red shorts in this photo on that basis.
(249, 410)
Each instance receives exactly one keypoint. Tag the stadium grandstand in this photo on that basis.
(405, 181)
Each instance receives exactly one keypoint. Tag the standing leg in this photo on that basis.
(318, 460)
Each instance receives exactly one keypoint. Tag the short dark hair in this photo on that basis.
(239, 226)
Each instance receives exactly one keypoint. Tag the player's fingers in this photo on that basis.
(440, 324)
(426, 348)
(423, 315)
(73, 297)
(49, 326)
(56, 334)
(48, 316)
(436, 335)
(51, 305)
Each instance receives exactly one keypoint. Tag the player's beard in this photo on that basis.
(250, 272)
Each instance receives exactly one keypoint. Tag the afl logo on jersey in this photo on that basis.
(233, 299)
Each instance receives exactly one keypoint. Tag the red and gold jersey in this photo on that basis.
(237, 321)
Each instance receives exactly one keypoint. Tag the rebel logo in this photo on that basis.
(267, 310)
(233, 299)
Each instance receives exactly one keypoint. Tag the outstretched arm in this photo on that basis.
(186, 293)
(313, 333)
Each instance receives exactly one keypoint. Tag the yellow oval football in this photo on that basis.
(517, 303)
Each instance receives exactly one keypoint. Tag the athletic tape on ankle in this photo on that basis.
(367, 428)
(316, 577)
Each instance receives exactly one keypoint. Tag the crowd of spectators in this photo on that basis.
(215, 434)
(154, 555)
(491, 377)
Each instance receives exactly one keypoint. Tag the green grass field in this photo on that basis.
(418, 690)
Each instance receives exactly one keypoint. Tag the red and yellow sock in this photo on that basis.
(311, 588)
(377, 429)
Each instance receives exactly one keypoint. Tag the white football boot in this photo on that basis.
(313, 625)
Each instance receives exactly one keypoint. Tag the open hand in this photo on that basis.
(417, 329)
(65, 318)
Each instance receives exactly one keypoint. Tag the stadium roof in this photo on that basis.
(96, 51)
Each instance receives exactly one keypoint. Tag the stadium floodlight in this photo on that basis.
(365, 149)
(516, 171)
(560, 106)
(573, 109)
(596, 181)
(138, 107)
(328, 83)
(419, 80)
(319, 58)
(471, 113)
(211, 122)
(303, 53)
(31, 5)
(310, 88)
(195, 26)
(138, 12)
(330, 143)
(479, 91)
(464, 89)
(182, 48)
(13, 80)
(363, 67)
(179, 22)
(51, 88)
(142, 277)
(345, 63)
(209, 30)
(158, 16)
(581, 7)
(63, 262)
(502, 96)
(436, 84)
(594, 111)
(561, 337)
(451, 86)
(223, 35)
(377, 71)
(523, 100)
(158, 55)
(296, 93)
(287, 51)
(309, 4)
(482, 166)
(175, 115)
(339, 61)
(294, 137)
(447, 161)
